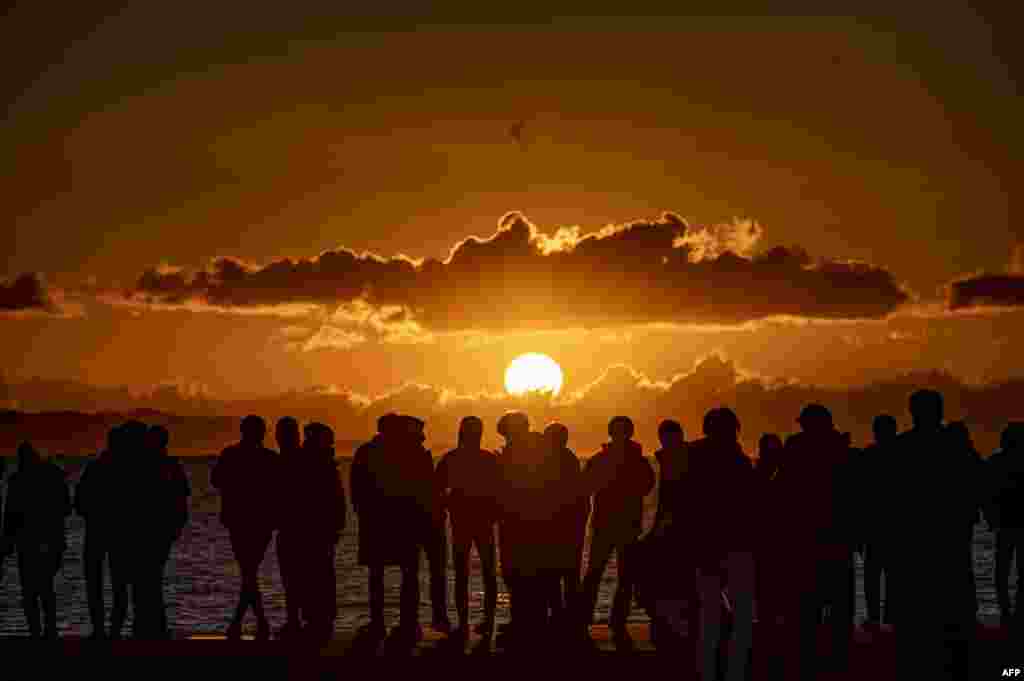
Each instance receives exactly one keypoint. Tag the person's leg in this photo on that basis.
(322, 605)
(623, 600)
(286, 567)
(600, 550)
(28, 575)
(376, 594)
(92, 563)
(120, 578)
(487, 551)
(437, 558)
(872, 582)
(47, 592)
(461, 554)
(410, 595)
(741, 578)
(1004, 555)
(709, 589)
(161, 624)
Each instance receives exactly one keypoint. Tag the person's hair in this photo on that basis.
(884, 425)
(669, 426)
(926, 407)
(815, 416)
(27, 454)
(388, 423)
(721, 422)
(161, 435)
(319, 434)
(1012, 436)
(769, 442)
(513, 422)
(622, 425)
(254, 427)
(557, 433)
(471, 430)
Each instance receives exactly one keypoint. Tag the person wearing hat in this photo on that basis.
(814, 488)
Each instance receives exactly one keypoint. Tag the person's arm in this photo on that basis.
(441, 486)
(357, 479)
(340, 505)
(220, 469)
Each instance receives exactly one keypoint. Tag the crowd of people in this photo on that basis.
(785, 527)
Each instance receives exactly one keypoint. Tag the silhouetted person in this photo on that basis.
(311, 531)
(467, 479)
(663, 564)
(392, 490)
(721, 482)
(963, 446)
(435, 542)
(246, 474)
(37, 504)
(880, 533)
(572, 523)
(932, 504)
(289, 535)
(619, 477)
(816, 481)
(170, 517)
(1005, 515)
(93, 502)
(132, 483)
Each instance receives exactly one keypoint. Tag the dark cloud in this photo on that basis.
(28, 295)
(641, 272)
(77, 416)
(987, 290)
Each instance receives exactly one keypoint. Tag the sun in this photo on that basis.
(533, 372)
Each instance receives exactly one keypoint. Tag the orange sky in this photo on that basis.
(172, 137)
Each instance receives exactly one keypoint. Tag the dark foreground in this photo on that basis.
(990, 653)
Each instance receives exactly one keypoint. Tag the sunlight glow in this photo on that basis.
(533, 372)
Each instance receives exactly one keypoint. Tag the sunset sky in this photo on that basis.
(251, 203)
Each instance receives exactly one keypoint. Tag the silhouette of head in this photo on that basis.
(1012, 438)
(926, 409)
(412, 429)
(670, 434)
(134, 436)
(471, 432)
(885, 428)
(557, 435)
(287, 434)
(254, 429)
(158, 438)
(389, 424)
(620, 429)
(815, 418)
(721, 424)
(513, 425)
(769, 447)
(319, 435)
(27, 455)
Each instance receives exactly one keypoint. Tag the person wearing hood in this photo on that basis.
(38, 502)
(815, 486)
(618, 478)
